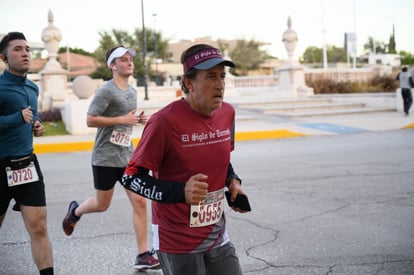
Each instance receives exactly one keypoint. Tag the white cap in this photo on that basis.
(118, 53)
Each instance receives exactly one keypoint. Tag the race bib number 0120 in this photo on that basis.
(209, 212)
(22, 176)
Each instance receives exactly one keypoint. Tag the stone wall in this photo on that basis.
(340, 75)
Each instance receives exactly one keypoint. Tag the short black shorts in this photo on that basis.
(30, 194)
(105, 178)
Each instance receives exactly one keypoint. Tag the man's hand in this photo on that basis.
(142, 118)
(196, 189)
(27, 114)
(38, 128)
(235, 188)
(132, 118)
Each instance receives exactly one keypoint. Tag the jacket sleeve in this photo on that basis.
(231, 175)
(139, 181)
(12, 120)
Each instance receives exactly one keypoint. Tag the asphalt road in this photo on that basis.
(339, 204)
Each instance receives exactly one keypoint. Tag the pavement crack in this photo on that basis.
(333, 269)
(316, 215)
(274, 238)
(98, 236)
(10, 244)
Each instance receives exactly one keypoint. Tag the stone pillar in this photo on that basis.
(74, 111)
(54, 77)
(292, 75)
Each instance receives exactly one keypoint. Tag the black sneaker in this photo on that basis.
(70, 219)
(146, 261)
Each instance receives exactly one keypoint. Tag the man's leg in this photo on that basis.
(4, 194)
(223, 260)
(178, 264)
(36, 225)
(99, 203)
(404, 94)
(409, 100)
(139, 218)
(144, 260)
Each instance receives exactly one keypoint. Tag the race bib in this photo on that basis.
(22, 176)
(208, 212)
(121, 136)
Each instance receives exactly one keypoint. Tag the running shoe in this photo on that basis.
(70, 219)
(146, 261)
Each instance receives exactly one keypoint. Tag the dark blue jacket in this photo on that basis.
(16, 93)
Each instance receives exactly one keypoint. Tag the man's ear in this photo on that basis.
(3, 57)
(187, 83)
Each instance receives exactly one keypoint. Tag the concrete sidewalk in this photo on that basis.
(256, 123)
(251, 126)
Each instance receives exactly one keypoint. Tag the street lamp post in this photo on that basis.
(355, 36)
(324, 52)
(155, 47)
(144, 51)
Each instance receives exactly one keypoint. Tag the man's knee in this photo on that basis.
(38, 228)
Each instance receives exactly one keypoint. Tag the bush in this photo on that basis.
(385, 83)
(327, 86)
(51, 115)
(375, 84)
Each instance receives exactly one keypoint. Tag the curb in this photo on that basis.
(266, 134)
(409, 126)
(77, 146)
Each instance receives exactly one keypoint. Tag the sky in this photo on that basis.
(316, 22)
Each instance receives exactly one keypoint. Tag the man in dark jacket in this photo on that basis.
(20, 176)
(406, 83)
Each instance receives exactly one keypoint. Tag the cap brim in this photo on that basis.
(132, 52)
(208, 64)
(120, 52)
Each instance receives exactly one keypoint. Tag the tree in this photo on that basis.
(369, 45)
(247, 56)
(336, 54)
(313, 55)
(115, 37)
(379, 46)
(406, 58)
(75, 50)
(391, 45)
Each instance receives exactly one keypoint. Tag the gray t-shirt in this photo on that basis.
(110, 101)
(404, 78)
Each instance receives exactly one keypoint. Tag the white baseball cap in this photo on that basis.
(120, 51)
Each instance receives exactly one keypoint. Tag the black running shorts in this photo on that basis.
(30, 194)
(105, 178)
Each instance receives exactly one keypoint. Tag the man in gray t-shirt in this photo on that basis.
(113, 111)
(406, 83)
(113, 146)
